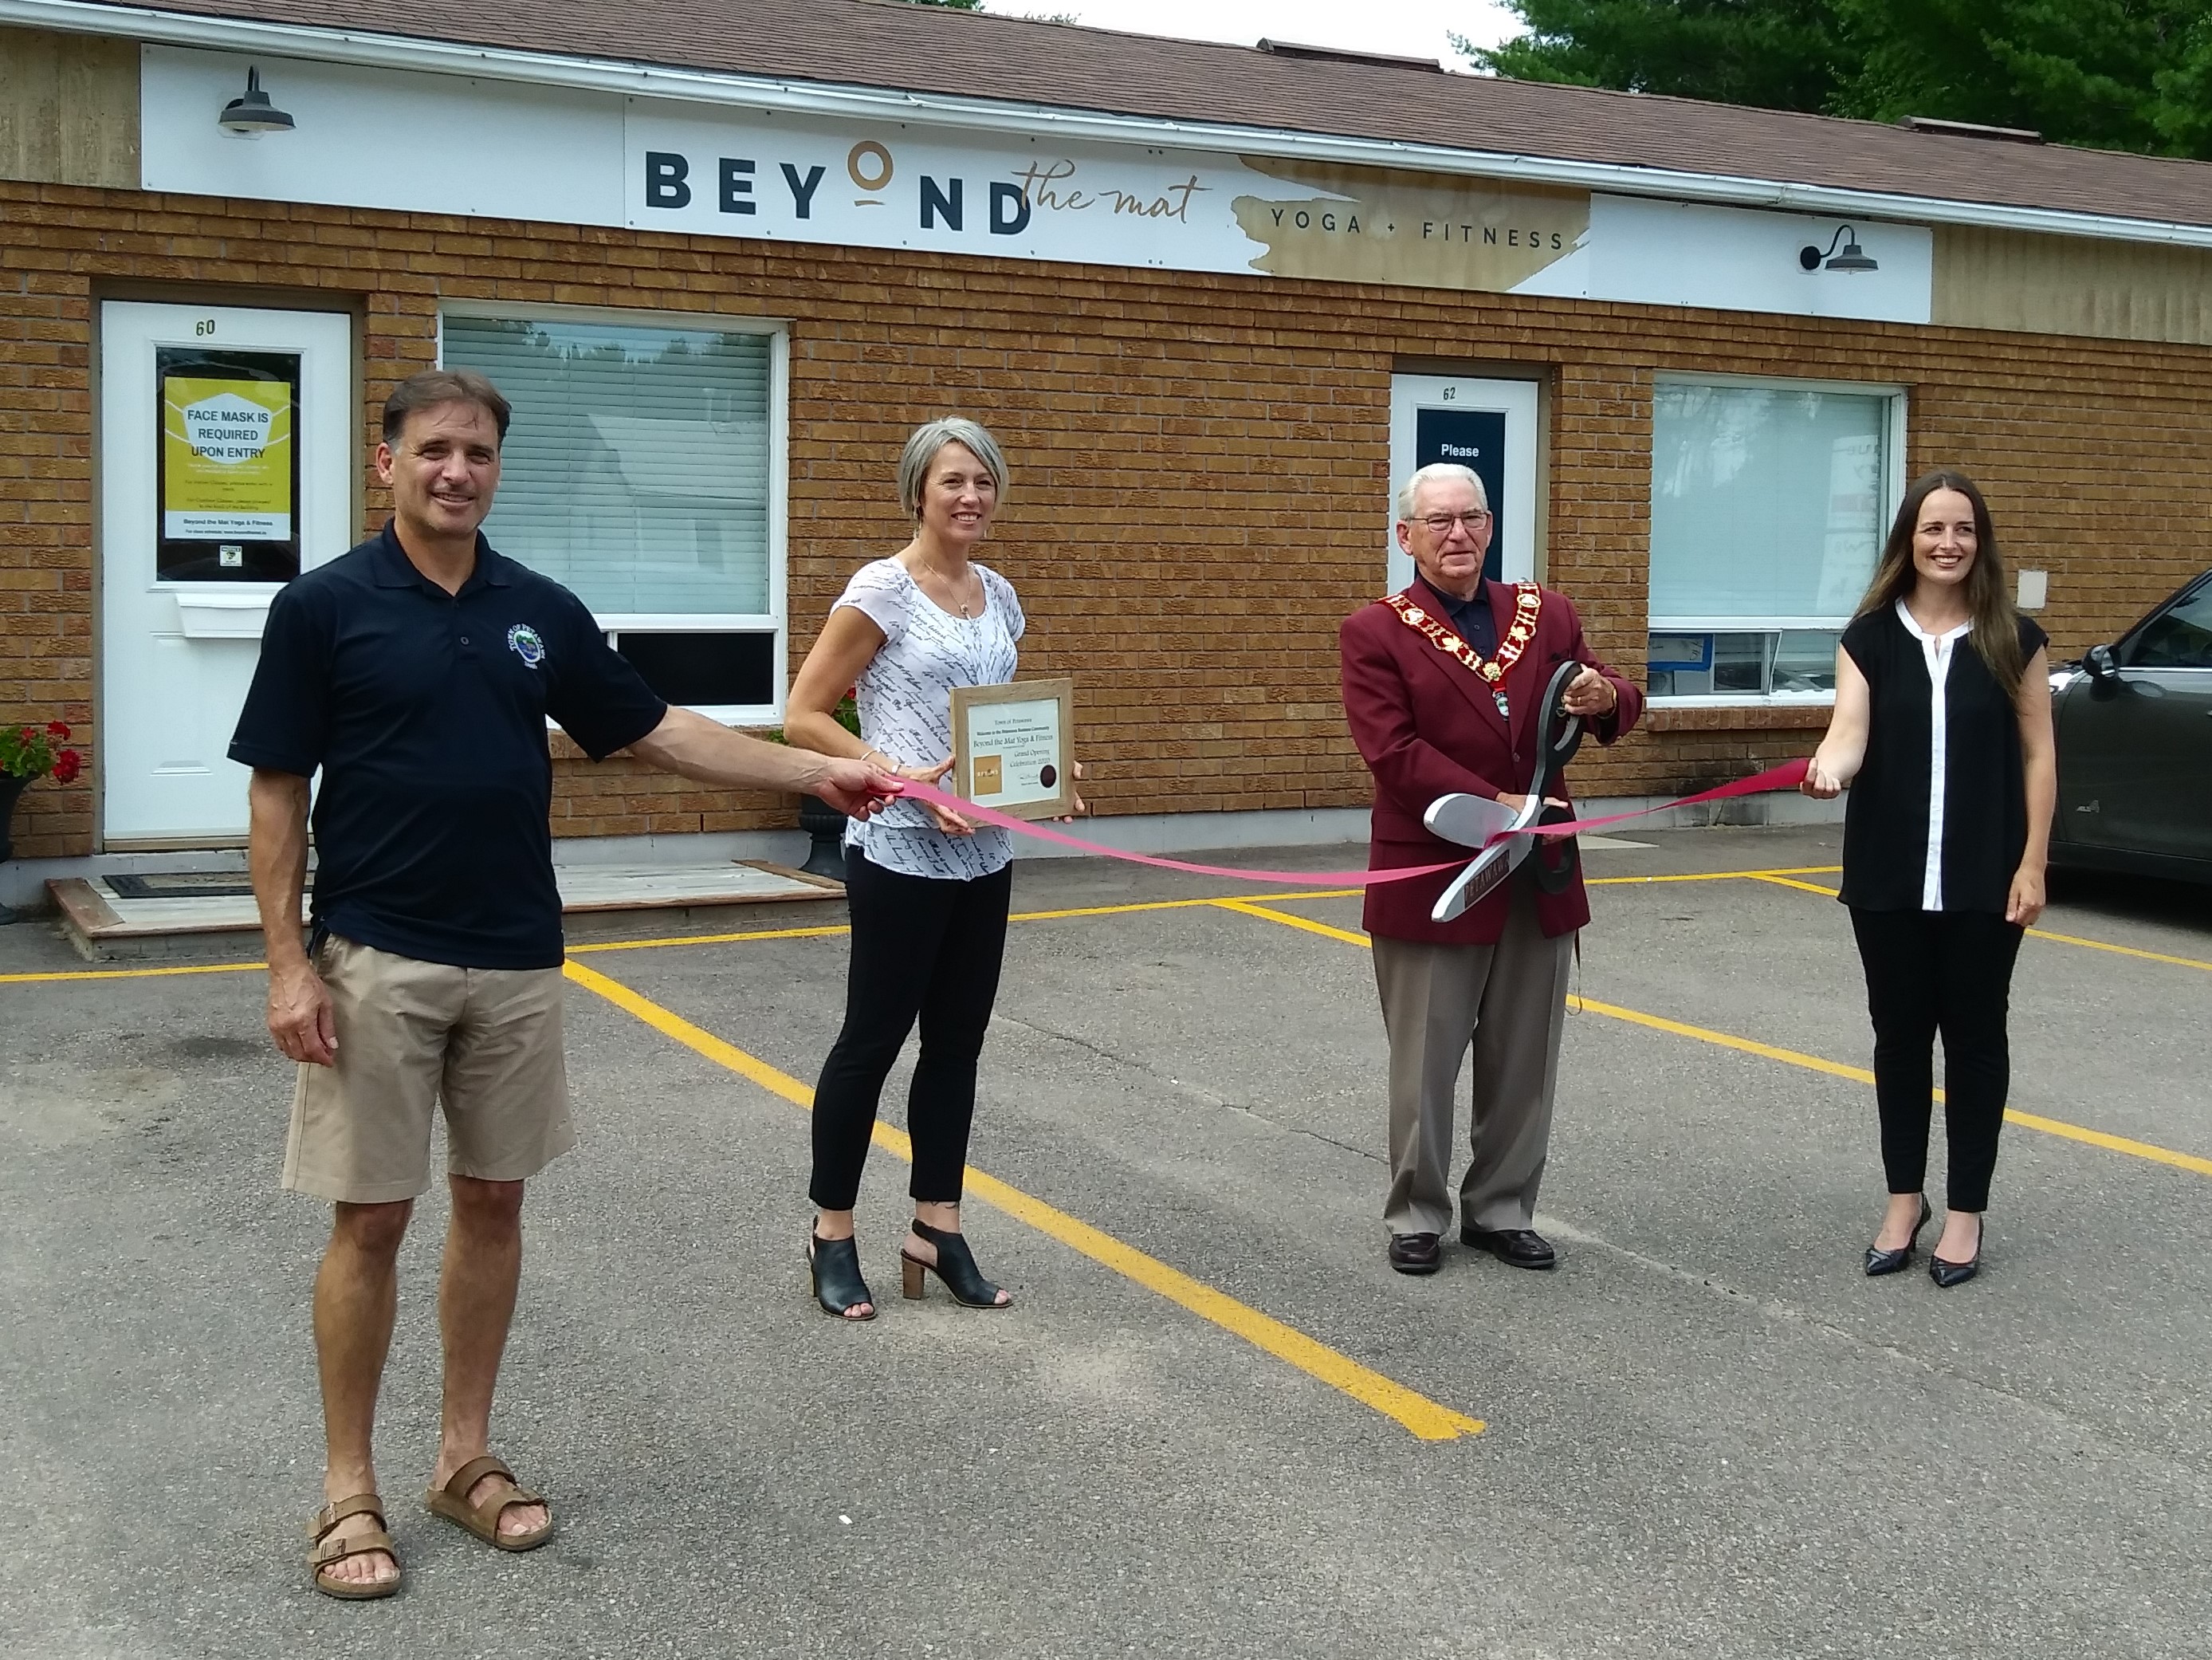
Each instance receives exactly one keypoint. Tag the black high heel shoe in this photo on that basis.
(1879, 1262)
(833, 1267)
(955, 1266)
(1948, 1274)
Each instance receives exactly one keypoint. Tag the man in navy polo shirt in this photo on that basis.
(416, 673)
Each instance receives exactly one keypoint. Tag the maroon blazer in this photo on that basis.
(1428, 726)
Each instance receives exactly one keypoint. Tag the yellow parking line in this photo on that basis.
(1168, 904)
(1781, 881)
(1711, 876)
(2188, 1161)
(2032, 934)
(1251, 909)
(1724, 1040)
(827, 932)
(1018, 916)
(1424, 1418)
(128, 974)
(2119, 951)
(824, 932)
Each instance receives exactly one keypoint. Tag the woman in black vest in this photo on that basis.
(1942, 730)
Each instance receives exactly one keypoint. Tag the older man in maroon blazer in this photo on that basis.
(1434, 717)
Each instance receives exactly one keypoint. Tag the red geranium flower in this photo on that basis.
(67, 765)
(57, 731)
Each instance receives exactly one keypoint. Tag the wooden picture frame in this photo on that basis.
(1012, 747)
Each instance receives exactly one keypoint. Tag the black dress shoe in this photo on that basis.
(1948, 1274)
(1415, 1253)
(1879, 1262)
(1524, 1247)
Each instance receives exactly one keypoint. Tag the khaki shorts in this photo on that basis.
(486, 1041)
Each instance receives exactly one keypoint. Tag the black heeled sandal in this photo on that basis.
(833, 1267)
(1879, 1261)
(955, 1266)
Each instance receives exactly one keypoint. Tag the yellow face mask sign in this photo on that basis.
(225, 459)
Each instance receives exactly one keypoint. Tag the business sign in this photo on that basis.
(228, 467)
(902, 188)
(572, 156)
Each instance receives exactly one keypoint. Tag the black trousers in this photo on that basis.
(924, 948)
(1947, 971)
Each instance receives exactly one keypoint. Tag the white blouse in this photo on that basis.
(905, 697)
(1938, 650)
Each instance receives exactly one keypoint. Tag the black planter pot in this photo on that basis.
(826, 826)
(10, 788)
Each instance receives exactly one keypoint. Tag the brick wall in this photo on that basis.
(1198, 462)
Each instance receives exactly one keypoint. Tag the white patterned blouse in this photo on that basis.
(905, 697)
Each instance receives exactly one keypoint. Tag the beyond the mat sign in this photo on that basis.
(569, 155)
(1094, 203)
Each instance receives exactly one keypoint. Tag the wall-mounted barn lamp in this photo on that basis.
(251, 114)
(1852, 259)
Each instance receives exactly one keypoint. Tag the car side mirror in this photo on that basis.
(2098, 660)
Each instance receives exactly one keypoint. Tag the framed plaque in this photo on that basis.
(1010, 747)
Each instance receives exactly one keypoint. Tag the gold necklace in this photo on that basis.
(927, 565)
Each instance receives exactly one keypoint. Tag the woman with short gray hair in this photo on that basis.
(928, 890)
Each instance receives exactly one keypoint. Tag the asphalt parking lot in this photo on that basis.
(1215, 1423)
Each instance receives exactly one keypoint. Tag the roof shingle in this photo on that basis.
(926, 49)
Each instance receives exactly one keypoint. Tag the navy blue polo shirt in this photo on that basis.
(426, 713)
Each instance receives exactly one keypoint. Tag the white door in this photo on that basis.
(226, 468)
(1487, 425)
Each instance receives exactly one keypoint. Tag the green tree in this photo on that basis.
(2084, 71)
(1775, 54)
(2185, 97)
(2116, 74)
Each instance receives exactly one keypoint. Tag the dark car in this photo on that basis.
(2134, 746)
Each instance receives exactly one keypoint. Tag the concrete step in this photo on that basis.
(194, 912)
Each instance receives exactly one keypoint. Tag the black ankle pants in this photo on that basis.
(923, 948)
(1948, 972)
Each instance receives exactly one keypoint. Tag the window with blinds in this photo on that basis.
(1769, 505)
(636, 471)
(639, 472)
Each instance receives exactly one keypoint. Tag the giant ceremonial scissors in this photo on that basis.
(1505, 836)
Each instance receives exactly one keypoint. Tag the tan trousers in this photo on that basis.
(1510, 1000)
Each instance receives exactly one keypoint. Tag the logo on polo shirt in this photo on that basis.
(523, 639)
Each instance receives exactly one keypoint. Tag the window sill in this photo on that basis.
(1735, 717)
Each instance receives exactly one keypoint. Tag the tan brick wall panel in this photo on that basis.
(1199, 462)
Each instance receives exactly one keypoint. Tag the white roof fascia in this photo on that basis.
(707, 87)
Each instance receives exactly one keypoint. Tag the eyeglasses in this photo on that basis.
(1440, 524)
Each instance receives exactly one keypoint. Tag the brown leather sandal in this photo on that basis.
(452, 1502)
(328, 1551)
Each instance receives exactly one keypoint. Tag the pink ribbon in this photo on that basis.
(1788, 776)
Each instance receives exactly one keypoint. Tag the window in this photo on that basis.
(644, 469)
(2180, 637)
(1770, 501)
